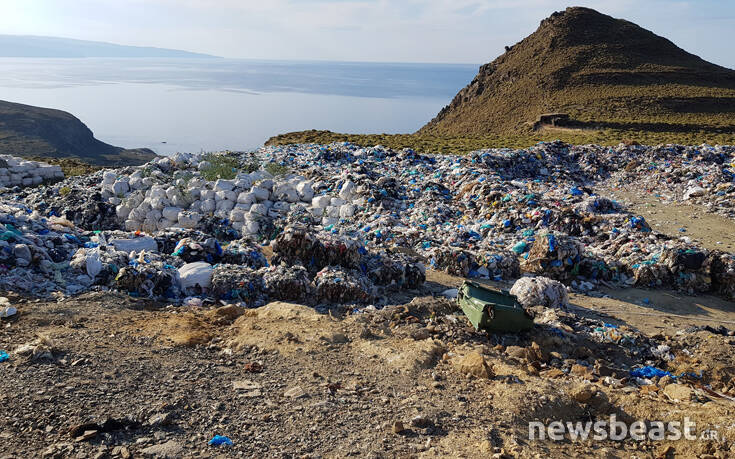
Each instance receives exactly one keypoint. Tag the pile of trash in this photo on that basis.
(18, 172)
(349, 223)
(695, 175)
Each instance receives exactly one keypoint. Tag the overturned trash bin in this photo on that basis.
(492, 310)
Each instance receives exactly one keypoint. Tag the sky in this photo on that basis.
(450, 31)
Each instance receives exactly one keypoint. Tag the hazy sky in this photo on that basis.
(469, 31)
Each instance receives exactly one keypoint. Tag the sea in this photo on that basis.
(193, 105)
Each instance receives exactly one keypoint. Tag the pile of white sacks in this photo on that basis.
(19, 172)
(245, 200)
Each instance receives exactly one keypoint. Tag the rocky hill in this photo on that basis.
(597, 73)
(42, 132)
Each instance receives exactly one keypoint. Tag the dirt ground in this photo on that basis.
(709, 230)
(111, 376)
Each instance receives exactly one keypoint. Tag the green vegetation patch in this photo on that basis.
(436, 144)
(220, 166)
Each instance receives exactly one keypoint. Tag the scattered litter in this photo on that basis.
(219, 440)
(540, 291)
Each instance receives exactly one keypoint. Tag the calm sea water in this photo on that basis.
(194, 105)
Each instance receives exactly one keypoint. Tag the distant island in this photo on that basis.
(35, 132)
(55, 47)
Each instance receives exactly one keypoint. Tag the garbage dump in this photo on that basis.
(19, 172)
(363, 221)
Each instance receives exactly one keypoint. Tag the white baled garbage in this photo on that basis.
(321, 202)
(137, 244)
(306, 192)
(20, 172)
(189, 219)
(171, 193)
(197, 274)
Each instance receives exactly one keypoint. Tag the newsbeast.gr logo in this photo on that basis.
(615, 430)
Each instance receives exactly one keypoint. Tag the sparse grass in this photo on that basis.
(185, 176)
(276, 169)
(70, 166)
(221, 166)
(436, 144)
(64, 190)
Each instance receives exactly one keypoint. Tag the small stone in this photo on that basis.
(168, 450)
(580, 370)
(398, 427)
(420, 334)
(247, 389)
(421, 421)
(678, 392)
(552, 373)
(295, 392)
(583, 393)
(474, 364)
(339, 338)
(516, 352)
(161, 419)
(87, 435)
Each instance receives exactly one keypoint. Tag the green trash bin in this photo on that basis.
(493, 310)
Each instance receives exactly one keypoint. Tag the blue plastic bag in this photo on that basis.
(649, 372)
(4, 356)
(218, 440)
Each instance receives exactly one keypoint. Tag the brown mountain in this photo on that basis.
(29, 131)
(599, 73)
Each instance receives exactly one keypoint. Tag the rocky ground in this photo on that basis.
(110, 376)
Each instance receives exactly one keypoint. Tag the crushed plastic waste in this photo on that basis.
(288, 283)
(6, 310)
(374, 216)
(649, 372)
(4, 357)
(239, 284)
(335, 284)
(540, 291)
